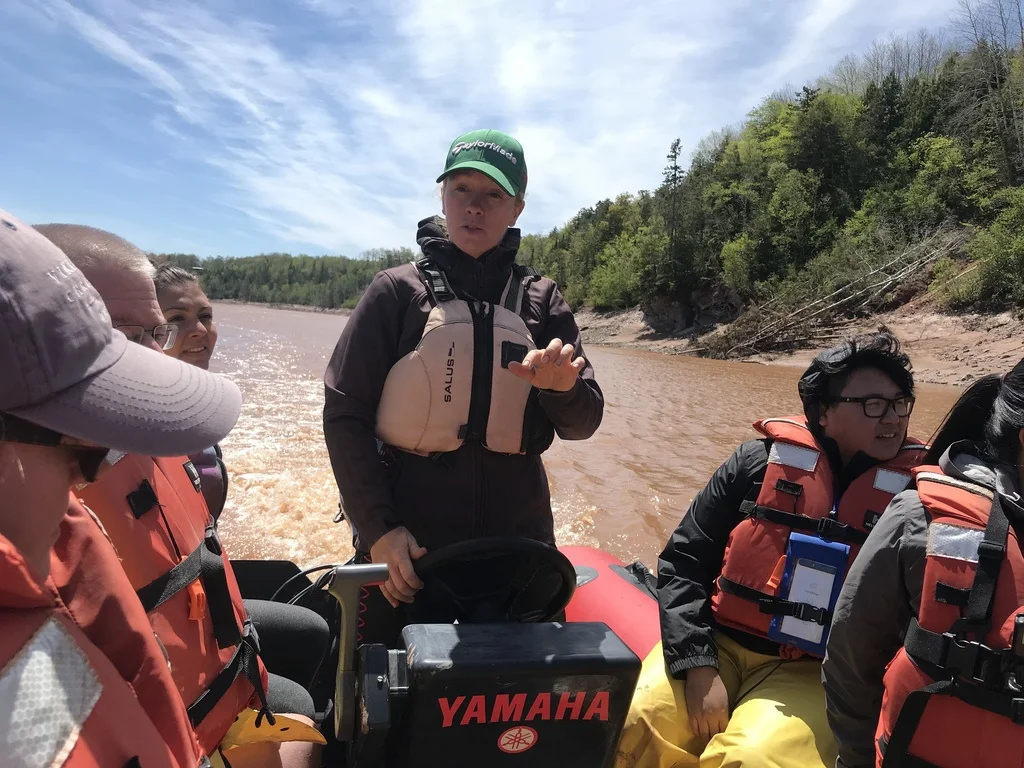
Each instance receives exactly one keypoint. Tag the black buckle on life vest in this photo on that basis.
(989, 550)
(244, 662)
(785, 486)
(808, 612)
(802, 611)
(832, 529)
(212, 541)
(1017, 711)
(972, 660)
(194, 476)
(142, 499)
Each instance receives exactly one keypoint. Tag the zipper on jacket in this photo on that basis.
(480, 401)
(483, 362)
(477, 522)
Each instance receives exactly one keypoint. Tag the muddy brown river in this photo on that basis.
(669, 422)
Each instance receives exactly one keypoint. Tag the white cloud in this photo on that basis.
(338, 145)
(821, 16)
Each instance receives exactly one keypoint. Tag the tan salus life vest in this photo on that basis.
(456, 384)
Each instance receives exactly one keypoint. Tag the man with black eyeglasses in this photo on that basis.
(748, 581)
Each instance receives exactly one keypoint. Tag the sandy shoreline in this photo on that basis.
(945, 349)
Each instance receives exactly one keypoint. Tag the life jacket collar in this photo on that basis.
(483, 277)
(19, 586)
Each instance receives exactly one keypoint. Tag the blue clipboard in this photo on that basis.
(814, 574)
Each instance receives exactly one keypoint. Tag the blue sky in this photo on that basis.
(244, 126)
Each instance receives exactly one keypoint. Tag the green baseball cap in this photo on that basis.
(493, 153)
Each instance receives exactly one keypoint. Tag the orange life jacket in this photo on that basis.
(65, 702)
(972, 599)
(154, 513)
(84, 577)
(797, 494)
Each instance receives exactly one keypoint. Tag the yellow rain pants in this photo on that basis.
(776, 716)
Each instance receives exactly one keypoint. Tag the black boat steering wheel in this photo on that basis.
(497, 579)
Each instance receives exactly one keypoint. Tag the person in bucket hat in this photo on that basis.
(67, 369)
(403, 494)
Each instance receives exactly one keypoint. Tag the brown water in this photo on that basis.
(669, 422)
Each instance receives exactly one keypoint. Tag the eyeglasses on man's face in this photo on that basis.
(876, 407)
(164, 334)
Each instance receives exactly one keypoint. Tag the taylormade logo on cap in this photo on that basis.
(492, 153)
(460, 146)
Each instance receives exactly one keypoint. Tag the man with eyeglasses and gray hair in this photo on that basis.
(123, 276)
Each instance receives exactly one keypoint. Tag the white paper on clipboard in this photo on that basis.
(812, 584)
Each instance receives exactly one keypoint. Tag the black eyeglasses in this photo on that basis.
(17, 430)
(877, 407)
(164, 334)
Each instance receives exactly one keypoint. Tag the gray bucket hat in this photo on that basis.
(65, 368)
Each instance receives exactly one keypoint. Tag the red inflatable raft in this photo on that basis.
(618, 595)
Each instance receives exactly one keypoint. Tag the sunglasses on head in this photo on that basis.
(17, 430)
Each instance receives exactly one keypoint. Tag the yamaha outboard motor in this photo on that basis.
(545, 694)
(487, 694)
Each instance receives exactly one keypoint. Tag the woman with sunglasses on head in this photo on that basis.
(71, 383)
(188, 310)
(293, 639)
(747, 582)
(936, 602)
(186, 306)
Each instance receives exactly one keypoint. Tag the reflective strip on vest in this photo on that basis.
(794, 456)
(47, 692)
(434, 398)
(892, 482)
(954, 542)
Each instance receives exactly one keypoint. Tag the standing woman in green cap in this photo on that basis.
(451, 378)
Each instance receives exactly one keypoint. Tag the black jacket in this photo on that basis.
(470, 492)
